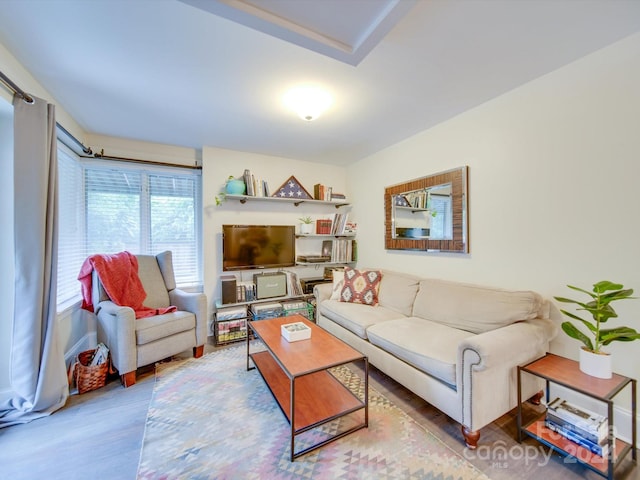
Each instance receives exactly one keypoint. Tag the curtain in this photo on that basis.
(37, 368)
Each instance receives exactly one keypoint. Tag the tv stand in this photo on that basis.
(230, 330)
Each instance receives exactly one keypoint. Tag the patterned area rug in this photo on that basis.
(210, 418)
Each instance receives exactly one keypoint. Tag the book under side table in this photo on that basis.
(566, 373)
(300, 379)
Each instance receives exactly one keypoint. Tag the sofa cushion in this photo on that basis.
(429, 346)
(474, 308)
(154, 328)
(398, 291)
(153, 282)
(356, 317)
(361, 286)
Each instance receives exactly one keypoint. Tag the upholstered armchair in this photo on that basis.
(133, 342)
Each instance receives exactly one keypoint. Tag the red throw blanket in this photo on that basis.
(119, 276)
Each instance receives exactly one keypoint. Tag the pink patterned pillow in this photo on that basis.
(361, 286)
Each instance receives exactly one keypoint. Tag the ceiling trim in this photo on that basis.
(260, 18)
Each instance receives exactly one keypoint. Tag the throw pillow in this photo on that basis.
(338, 283)
(361, 286)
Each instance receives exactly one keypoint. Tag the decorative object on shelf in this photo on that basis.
(401, 201)
(232, 186)
(235, 186)
(594, 361)
(306, 225)
(292, 189)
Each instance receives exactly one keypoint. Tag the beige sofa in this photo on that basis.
(455, 345)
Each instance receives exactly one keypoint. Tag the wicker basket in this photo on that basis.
(89, 377)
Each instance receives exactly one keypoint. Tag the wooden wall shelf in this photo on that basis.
(296, 201)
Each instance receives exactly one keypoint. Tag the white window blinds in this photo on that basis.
(142, 210)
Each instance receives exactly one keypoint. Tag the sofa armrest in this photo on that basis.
(116, 328)
(486, 372)
(195, 303)
(322, 292)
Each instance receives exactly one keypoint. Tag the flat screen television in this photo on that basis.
(246, 247)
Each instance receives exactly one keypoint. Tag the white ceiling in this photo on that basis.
(211, 73)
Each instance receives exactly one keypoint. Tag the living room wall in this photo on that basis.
(553, 172)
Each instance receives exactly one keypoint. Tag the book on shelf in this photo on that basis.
(318, 191)
(593, 436)
(246, 291)
(339, 223)
(293, 283)
(249, 182)
(339, 250)
(579, 417)
(323, 226)
(601, 449)
(323, 192)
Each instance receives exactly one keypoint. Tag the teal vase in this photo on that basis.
(235, 187)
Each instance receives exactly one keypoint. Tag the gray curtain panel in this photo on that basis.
(38, 376)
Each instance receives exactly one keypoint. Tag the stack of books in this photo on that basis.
(581, 426)
(245, 292)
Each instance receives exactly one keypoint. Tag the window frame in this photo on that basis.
(145, 240)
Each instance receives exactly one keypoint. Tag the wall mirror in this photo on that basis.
(428, 213)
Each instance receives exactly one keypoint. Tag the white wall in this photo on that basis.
(219, 164)
(553, 188)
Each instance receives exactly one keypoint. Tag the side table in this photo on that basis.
(565, 372)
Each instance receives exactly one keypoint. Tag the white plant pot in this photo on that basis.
(306, 228)
(596, 364)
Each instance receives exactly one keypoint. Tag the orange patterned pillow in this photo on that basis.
(361, 286)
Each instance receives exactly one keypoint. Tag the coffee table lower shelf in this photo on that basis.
(319, 398)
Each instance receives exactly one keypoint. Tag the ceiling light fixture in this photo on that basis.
(308, 102)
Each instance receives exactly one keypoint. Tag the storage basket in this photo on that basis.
(89, 377)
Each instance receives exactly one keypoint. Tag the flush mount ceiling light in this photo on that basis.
(308, 102)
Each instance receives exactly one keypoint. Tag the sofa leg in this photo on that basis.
(471, 437)
(198, 351)
(535, 400)
(128, 379)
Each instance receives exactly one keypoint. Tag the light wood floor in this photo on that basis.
(98, 435)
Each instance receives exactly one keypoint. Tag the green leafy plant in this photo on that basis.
(599, 307)
(306, 220)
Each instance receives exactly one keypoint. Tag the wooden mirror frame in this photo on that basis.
(458, 178)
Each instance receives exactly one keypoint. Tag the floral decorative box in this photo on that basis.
(292, 332)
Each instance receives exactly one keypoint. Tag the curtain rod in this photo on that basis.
(102, 156)
(29, 99)
(16, 89)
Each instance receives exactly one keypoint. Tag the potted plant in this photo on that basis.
(306, 225)
(593, 360)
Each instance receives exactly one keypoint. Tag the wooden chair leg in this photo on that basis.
(198, 351)
(471, 437)
(537, 398)
(128, 379)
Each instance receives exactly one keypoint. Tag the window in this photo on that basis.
(145, 210)
(442, 223)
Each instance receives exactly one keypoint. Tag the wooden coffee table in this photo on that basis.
(297, 373)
